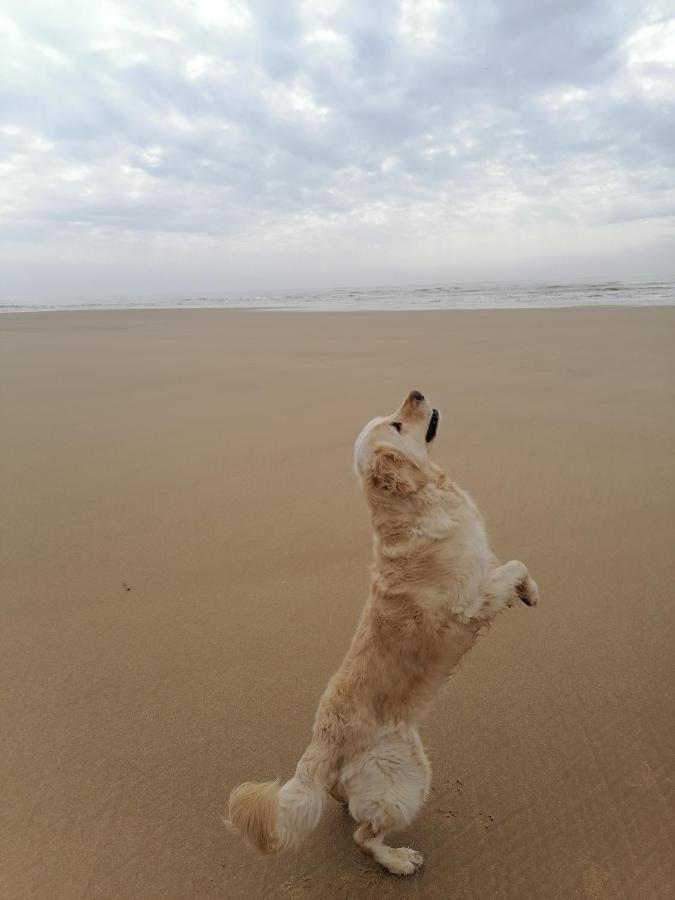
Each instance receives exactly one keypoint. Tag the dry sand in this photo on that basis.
(184, 557)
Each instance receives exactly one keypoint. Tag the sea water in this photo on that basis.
(475, 295)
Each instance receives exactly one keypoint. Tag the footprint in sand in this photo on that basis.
(446, 813)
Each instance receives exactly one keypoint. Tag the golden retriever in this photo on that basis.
(435, 584)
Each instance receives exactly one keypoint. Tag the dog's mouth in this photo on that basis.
(433, 426)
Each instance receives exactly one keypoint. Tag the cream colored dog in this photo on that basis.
(435, 585)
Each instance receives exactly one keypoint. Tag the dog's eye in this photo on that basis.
(397, 426)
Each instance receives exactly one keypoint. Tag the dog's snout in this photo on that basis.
(416, 396)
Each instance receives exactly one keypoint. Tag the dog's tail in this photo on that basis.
(275, 818)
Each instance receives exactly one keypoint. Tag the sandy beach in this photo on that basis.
(184, 555)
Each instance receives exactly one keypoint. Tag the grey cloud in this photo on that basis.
(164, 122)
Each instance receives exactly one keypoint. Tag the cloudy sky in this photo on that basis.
(160, 147)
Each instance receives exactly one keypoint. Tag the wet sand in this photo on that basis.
(184, 554)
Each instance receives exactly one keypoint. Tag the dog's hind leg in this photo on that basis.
(397, 860)
(387, 786)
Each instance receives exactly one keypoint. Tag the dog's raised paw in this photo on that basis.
(528, 592)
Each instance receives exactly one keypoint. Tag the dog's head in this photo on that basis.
(391, 455)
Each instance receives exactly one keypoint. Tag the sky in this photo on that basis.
(159, 147)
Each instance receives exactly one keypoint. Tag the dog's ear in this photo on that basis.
(393, 472)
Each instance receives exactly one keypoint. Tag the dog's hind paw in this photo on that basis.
(402, 860)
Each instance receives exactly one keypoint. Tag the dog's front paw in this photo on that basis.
(528, 591)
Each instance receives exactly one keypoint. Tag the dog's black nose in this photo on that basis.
(415, 395)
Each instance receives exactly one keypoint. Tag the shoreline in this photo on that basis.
(337, 310)
(434, 296)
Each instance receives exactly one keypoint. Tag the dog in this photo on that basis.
(435, 586)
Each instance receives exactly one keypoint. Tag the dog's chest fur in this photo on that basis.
(442, 554)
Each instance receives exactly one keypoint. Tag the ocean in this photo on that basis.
(476, 295)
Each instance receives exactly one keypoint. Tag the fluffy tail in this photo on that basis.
(275, 818)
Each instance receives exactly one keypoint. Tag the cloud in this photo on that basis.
(235, 129)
